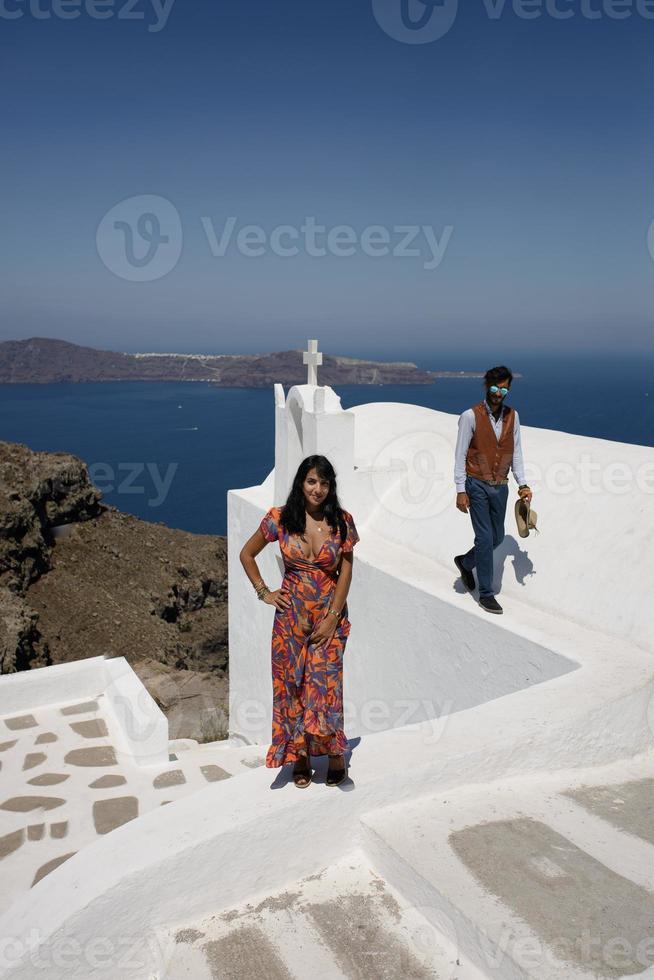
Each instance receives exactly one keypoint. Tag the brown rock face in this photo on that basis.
(113, 585)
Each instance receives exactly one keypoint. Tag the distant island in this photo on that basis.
(45, 360)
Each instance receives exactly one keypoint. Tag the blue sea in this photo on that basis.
(168, 452)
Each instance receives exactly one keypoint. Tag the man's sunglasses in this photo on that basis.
(494, 390)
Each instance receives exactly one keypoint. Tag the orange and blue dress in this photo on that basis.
(307, 678)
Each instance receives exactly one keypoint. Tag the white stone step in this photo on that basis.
(541, 877)
(64, 782)
(233, 757)
(342, 923)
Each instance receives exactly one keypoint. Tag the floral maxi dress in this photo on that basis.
(307, 678)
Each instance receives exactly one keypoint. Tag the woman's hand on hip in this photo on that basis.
(279, 598)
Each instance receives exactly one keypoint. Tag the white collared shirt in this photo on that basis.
(464, 438)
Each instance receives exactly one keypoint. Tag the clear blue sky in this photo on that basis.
(530, 138)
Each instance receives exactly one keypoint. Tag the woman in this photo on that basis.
(310, 627)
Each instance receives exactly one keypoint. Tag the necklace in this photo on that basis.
(319, 524)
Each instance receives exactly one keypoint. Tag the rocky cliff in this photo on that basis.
(79, 578)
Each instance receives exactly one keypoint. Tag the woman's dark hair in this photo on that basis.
(293, 515)
(499, 373)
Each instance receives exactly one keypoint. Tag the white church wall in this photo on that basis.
(310, 421)
(250, 622)
(415, 638)
(411, 656)
(595, 502)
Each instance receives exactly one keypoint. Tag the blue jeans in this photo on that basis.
(487, 512)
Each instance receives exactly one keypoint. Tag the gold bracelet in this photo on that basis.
(333, 613)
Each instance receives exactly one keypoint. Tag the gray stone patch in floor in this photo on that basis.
(96, 755)
(112, 813)
(35, 831)
(163, 802)
(49, 866)
(278, 903)
(245, 954)
(7, 745)
(629, 806)
(173, 778)
(104, 782)
(20, 721)
(233, 914)
(78, 709)
(387, 900)
(11, 842)
(59, 830)
(253, 763)
(587, 914)
(48, 779)
(213, 773)
(315, 877)
(34, 759)
(23, 804)
(93, 728)
(350, 926)
(45, 737)
(188, 935)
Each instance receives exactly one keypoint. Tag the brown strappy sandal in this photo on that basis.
(302, 772)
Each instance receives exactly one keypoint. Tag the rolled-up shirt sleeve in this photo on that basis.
(517, 463)
(466, 429)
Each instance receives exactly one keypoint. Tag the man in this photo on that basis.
(488, 445)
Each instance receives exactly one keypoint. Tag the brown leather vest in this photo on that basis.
(488, 458)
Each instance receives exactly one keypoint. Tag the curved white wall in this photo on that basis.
(594, 557)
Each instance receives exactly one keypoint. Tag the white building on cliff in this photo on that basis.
(498, 818)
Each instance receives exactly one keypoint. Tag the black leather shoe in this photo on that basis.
(467, 577)
(490, 604)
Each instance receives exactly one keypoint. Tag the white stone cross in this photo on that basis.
(312, 358)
